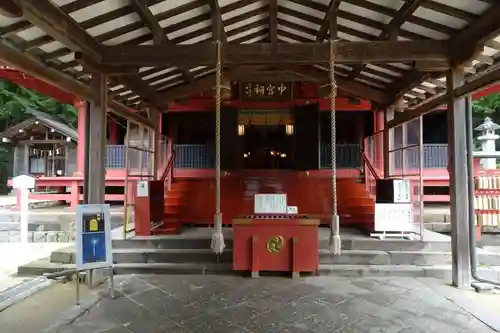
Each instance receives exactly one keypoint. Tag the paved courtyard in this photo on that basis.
(154, 304)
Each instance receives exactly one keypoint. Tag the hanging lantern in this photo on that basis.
(241, 129)
(289, 129)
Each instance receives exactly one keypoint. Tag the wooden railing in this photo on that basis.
(168, 174)
(370, 178)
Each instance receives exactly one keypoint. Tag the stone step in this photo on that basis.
(348, 257)
(39, 267)
(344, 270)
(415, 258)
(173, 268)
(434, 271)
(171, 256)
(370, 244)
(167, 242)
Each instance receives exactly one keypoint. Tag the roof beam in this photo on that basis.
(391, 30)
(331, 14)
(10, 9)
(478, 82)
(476, 35)
(185, 90)
(406, 10)
(352, 88)
(317, 75)
(218, 32)
(282, 53)
(159, 35)
(141, 9)
(50, 18)
(36, 68)
(273, 21)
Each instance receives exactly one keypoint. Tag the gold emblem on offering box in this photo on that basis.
(252, 91)
(275, 244)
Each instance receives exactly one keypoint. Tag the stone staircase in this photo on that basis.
(189, 253)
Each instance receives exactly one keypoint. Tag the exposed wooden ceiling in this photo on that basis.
(285, 33)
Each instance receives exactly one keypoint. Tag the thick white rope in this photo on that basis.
(335, 242)
(217, 243)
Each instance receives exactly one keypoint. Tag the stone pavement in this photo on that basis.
(157, 303)
(14, 255)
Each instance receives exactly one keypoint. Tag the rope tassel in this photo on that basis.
(335, 241)
(217, 243)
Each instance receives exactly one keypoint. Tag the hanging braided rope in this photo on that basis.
(335, 242)
(217, 243)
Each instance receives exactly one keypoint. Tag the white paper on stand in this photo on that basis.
(402, 191)
(270, 204)
(392, 217)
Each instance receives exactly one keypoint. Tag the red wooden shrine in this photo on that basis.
(287, 244)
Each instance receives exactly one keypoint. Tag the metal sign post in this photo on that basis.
(93, 242)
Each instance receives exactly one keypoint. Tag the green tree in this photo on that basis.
(487, 106)
(15, 99)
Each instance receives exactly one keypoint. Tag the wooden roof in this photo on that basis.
(180, 59)
(39, 122)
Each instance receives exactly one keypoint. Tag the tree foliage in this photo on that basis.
(14, 100)
(487, 106)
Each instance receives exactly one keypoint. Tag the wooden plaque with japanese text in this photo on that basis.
(252, 91)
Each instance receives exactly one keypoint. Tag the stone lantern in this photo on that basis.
(487, 138)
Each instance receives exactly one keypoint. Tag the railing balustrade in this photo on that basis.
(435, 156)
(199, 156)
(347, 156)
(194, 156)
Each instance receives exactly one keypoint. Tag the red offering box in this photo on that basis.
(275, 244)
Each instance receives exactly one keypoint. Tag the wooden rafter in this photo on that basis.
(375, 75)
(273, 21)
(218, 31)
(61, 26)
(476, 83)
(10, 9)
(36, 68)
(159, 36)
(51, 19)
(141, 8)
(474, 35)
(391, 30)
(331, 14)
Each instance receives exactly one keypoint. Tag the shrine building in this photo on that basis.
(216, 102)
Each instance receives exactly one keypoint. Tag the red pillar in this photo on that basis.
(113, 132)
(80, 149)
(379, 140)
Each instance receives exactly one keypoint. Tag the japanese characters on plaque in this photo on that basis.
(265, 91)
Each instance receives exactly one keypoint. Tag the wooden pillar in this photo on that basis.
(26, 159)
(404, 151)
(80, 148)
(113, 132)
(378, 140)
(15, 164)
(154, 144)
(96, 153)
(457, 167)
(388, 139)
